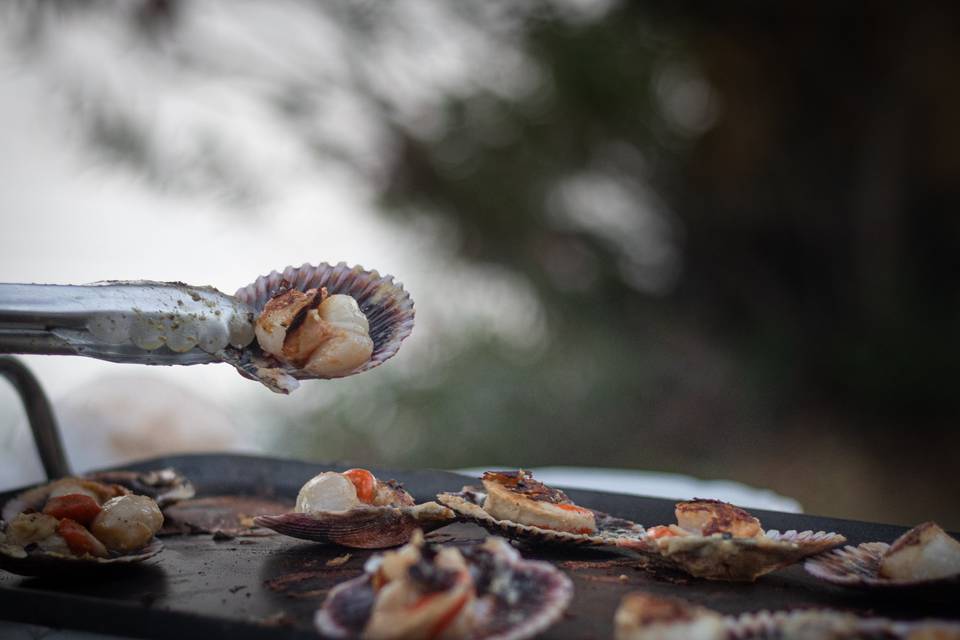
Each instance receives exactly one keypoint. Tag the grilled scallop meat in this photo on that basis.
(325, 336)
(707, 517)
(926, 552)
(126, 523)
(517, 497)
(643, 616)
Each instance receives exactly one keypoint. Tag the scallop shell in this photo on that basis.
(643, 615)
(859, 567)
(822, 623)
(165, 486)
(611, 532)
(389, 309)
(717, 557)
(544, 594)
(44, 563)
(36, 562)
(361, 528)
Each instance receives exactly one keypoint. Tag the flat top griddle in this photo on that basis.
(269, 586)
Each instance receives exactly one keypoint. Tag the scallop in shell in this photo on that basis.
(644, 616)
(610, 531)
(51, 556)
(386, 307)
(932, 568)
(719, 541)
(354, 509)
(506, 597)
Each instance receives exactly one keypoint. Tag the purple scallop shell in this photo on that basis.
(389, 309)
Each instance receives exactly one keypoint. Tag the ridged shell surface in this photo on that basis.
(387, 306)
(361, 528)
(819, 623)
(641, 616)
(744, 559)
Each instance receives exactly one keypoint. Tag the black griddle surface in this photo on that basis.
(260, 587)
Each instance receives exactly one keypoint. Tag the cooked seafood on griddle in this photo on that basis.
(431, 591)
(718, 541)
(644, 616)
(78, 519)
(355, 509)
(515, 505)
(926, 552)
(517, 497)
(923, 557)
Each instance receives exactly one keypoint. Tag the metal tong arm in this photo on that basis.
(141, 322)
(40, 415)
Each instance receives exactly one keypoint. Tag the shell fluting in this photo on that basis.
(825, 623)
(361, 528)
(744, 559)
(644, 614)
(385, 303)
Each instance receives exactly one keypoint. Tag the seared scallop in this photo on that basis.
(926, 552)
(517, 497)
(127, 522)
(325, 336)
(707, 517)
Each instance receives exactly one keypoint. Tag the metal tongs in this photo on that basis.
(168, 323)
(144, 322)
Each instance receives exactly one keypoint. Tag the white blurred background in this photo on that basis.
(122, 157)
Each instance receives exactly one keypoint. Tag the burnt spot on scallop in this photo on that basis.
(385, 303)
